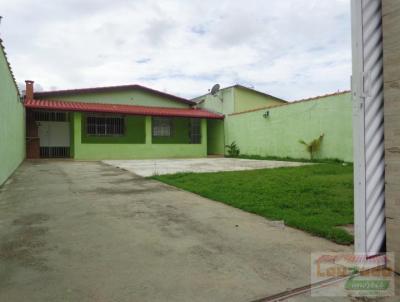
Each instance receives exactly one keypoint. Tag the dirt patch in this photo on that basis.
(24, 247)
(349, 228)
(25, 244)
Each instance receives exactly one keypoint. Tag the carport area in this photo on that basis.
(86, 231)
(150, 167)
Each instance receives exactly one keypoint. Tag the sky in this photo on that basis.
(291, 49)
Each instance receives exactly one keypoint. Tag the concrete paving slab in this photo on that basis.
(150, 167)
(85, 231)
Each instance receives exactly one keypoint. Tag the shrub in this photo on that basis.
(233, 150)
(313, 146)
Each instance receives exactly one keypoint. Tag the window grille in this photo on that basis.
(162, 126)
(50, 116)
(195, 131)
(105, 125)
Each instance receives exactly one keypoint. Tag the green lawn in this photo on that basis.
(315, 198)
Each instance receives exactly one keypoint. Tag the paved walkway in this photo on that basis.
(85, 231)
(150, 167)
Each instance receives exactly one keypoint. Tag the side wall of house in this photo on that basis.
(280, 132)
(248, 100)
(391, 77)
(123, 148)
(223, 102)
(236, 99)
(12, 122)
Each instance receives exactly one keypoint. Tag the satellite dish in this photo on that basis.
(215, 89)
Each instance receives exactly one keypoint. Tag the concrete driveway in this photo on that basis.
(85, 231)
(150, 167)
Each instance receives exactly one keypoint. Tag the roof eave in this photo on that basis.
(121, 109)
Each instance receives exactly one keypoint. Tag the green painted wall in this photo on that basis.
(99, 150)
(215, 137)
(130, 97)
(12, 122)
(180, 133)
(246, 100)
(134, 132)
(279, 134)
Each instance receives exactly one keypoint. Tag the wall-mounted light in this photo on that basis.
(266, 114)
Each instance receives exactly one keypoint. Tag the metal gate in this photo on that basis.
(367, 93)
(54, 134)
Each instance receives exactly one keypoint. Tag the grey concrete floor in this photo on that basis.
(85, 231)
(150, 167)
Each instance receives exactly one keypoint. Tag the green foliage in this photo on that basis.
(233, 150)
(314, 198)
(313, 146)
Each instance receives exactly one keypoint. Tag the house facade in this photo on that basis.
(119, 122)
(131, 122)
(136, 122)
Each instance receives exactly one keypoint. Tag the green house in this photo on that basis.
(118, 122)
(136, 122)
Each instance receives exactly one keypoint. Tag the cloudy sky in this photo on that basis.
(291, 49)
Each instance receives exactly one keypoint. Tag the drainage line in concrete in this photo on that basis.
(307, 288)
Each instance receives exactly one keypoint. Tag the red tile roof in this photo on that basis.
(121, 109)
(55, 93)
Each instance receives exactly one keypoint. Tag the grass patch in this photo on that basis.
(315, 198)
